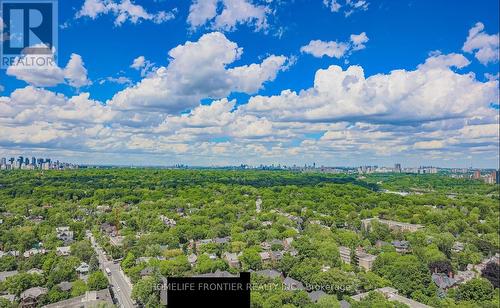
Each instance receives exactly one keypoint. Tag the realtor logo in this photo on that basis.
(29, 35)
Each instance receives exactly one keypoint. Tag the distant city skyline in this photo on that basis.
(28, 159)
(339, 83)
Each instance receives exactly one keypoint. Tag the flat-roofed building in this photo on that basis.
(365, 260)
(393, 225)
(345, 254)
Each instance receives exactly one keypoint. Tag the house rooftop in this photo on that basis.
(5, 275)
(33, 292)
(270, 273)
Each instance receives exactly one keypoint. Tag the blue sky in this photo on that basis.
(221, 82)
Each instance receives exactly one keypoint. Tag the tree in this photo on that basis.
(328, 301)
(443, 266)
(93, 263)
(56, 295)
(146, 287)
(371, 281)
(492, 273)
(477, 290)
(4, 303)
(18, 283)
(82, 250)
(377, 300)
(205, 265)
(251, 259)
(128, 261)
(79, 288)
(97, 281)
(408, 275)
(336, 281)
(8, 263)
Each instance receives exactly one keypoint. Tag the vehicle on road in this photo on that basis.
(108, 271)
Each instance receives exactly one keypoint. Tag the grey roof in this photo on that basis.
(5, 275)
(344, 304)
(269, 273)
(147, 271)
(403, 244)
(292, 284)
(316, 295)
(34, 292)
(65, 286)
(443, 281)
(222, 240)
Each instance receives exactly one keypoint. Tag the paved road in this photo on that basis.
(121, 285)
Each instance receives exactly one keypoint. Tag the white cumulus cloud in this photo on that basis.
(334, 49)
(124, 11)
(485, 47)
(75, 73)
(226, 15)
(198, 70)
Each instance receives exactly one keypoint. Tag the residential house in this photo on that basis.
(443, 282)
(83, 268)
(63, 251)
(401, 246)
(270, 273)
(31, 297)
(291, 284)
(287, 243)
(13, 253)
(231, 259)
(265, 256)
(276, 255)
(33, 251)
(265, 246)
(64, 234)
